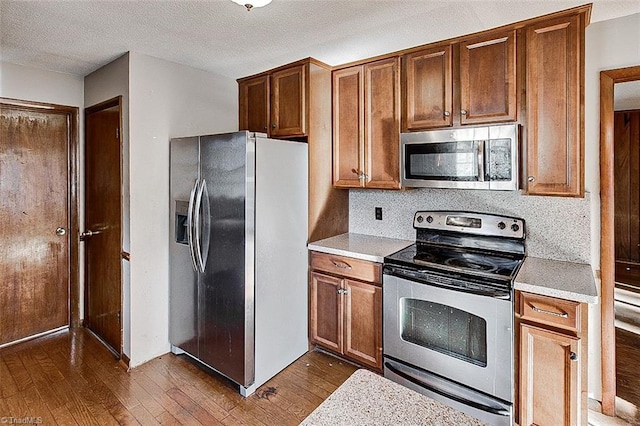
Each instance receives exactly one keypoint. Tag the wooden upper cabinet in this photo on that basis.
(488, 79)
(288, 102)
(348, 124)
(427, 89)
(555, 101)
(366, 125)
(254, 104)
(382, 124)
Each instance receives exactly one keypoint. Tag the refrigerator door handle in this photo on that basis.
(202, 225)
(190, 220)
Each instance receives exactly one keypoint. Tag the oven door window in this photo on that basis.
(453, 161)
(445, 329)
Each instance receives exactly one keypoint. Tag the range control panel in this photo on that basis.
(470, 223)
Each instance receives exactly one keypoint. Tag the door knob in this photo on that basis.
(86, 234)
(60, 231)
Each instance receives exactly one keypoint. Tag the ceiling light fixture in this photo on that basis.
(250, 4)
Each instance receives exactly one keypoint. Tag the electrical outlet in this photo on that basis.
(378, 213)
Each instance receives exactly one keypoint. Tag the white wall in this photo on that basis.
(106, 83)
(31, 84)
(609, 45)
(166, 100)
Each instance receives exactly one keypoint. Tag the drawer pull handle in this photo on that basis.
(341, 265)
(544, 311)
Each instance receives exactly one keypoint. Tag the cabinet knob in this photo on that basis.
(573, 356)
(273, 125)
(463, 111)
(447, 113)
(531, 179)
(60, 231)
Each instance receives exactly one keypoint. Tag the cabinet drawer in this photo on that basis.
(551, 311)
(347, 267)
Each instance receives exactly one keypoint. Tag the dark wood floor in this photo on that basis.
(69, 378)
(628, 372)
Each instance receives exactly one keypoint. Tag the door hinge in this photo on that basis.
(118, 317)
(117, 133)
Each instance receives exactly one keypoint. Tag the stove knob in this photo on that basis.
(429, 219)
(419, 219)
(515, 227)
(501, 225)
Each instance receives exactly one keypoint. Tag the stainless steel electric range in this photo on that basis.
(448, 311)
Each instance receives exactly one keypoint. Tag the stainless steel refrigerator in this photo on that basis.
(238, 258)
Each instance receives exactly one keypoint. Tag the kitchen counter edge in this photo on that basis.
(359, 246)
(560, 279)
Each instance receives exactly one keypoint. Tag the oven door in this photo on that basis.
(460, 336)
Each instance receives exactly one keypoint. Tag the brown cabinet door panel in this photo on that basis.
(427, 90)
(254, 104)
(363, 323)
(326, 311)
(34, 203)
(488, 79)
(288, 97)
(348, 124)
(554, 107)
(382, 122)
(549, 377)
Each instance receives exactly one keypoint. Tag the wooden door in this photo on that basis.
(382, 124)
(254, 104)
(488, 79)
(325, 318)
(363, 323)
(427, 93)
(288, 102)
(549, 377)
(348, 126)
(35, 185)
(103, 219)
(627, 196)
(555, 74)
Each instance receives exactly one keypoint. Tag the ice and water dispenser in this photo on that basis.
(181, 222)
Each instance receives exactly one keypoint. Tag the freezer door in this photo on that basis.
(183, 280)
(227, 302)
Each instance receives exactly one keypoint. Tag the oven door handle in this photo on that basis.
(405, 273)
(416, 381)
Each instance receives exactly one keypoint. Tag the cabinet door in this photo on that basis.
(326, 311)
(348, 123)
(549, 377)
(288, 97)
(427, 90)
(363, 323)
(254, 104)
(488, 79)
(555, 74)
(382, 124)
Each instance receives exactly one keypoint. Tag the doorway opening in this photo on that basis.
(611, 235)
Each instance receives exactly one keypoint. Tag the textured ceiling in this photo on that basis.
(80, 36)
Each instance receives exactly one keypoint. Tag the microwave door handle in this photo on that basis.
(480, 161)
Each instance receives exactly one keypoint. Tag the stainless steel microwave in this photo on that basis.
(468, 158)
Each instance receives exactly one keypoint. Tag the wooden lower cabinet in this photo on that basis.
(552, 361)
(346, 318)
(549, 377)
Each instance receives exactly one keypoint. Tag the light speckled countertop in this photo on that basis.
(366, 398)
(360, 246)
(565, 280)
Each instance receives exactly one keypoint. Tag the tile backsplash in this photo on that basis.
(557, 227)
